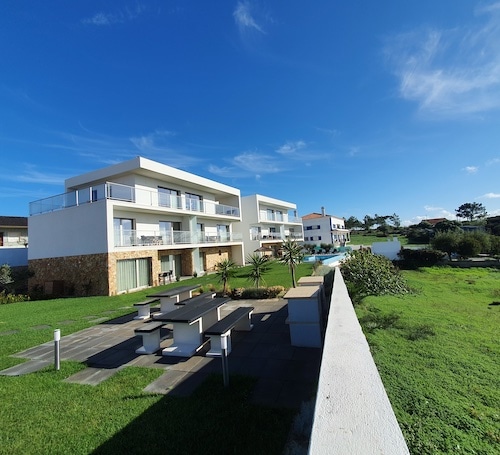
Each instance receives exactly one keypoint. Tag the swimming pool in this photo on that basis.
(326, 259)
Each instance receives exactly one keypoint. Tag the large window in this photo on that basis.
(167, 229)
(133, 273)
(124, 231)
(194, 202)
(168, 197)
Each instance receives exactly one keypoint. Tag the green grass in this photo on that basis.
(438, 353)
(368, 239)
(40, 413)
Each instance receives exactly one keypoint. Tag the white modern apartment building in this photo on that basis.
(327, 229)
(266, 222)
(126, 226)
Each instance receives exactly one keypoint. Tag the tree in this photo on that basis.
(225, 269)
(446, 242)
(352, 222)
(468, 246)
(368, 222)
(447, 226)
(471, 211)
(259, 265)
(395, 220)
(291, 256)
(5, 276)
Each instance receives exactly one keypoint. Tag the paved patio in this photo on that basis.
(286, 375)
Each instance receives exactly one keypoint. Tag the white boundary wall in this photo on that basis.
(353, 414)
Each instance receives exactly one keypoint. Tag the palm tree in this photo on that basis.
(225, 270)
(259, 265)
(291, 256)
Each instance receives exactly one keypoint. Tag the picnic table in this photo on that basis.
(189, 323)
(170, 297)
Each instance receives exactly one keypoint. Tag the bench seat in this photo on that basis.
(239, 319)
(144, 309)
(150, 333)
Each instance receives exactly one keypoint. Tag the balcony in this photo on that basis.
(276, 236)
(128, 238)
(139, 196)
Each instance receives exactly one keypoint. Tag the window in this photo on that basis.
(168, 197)
(124, 231)
(223, 232)
(309, 228)
(194, 202)
(167, 229)
(133, 273)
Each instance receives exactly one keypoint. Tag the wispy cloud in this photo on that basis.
(450, 72)
(490, 196)
(120, 16)
(31, 174)
(291, 148)
(493, 161)
(244, 18)
(471, 169)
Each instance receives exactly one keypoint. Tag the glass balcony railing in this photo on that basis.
(139, 196)
(124, 238)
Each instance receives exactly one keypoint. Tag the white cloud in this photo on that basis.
(450, 72)
(244, 18)
(126, 14)
(471, 169)
(490, 196)
(257, 163)
(493, 161)
(291, 148)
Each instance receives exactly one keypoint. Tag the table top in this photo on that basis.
(174, 291)
(190, 313)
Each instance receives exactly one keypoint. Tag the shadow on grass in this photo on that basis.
(214, 419)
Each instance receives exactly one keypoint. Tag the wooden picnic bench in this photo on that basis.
(189, 322)
(239, 319)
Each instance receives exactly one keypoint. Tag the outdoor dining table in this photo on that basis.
(170, 297)
(188, 323)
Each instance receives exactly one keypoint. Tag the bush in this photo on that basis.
(413, 259)
(370, 274)
(468, 246)
(257, 293)
(12, 298)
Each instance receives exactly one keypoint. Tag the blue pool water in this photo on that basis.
(324, 258)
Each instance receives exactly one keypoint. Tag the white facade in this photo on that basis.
(166, 219)
(266, 222)
(320, 228)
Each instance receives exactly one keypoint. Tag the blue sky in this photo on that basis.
(361, 107)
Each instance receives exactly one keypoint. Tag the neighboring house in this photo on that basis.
(320, 228)
(14, 240)
(126, 226)
(266, 222)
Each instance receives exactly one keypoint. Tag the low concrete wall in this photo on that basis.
(353, 414)
(14, 256)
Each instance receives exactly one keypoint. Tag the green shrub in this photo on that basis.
(257, 293)
(469, 246)
(413, 259)
(12, 298)
(370, 274)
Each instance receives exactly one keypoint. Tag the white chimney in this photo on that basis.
(322, 211)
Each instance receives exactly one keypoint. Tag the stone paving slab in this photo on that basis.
(92, 376)
(31, 366)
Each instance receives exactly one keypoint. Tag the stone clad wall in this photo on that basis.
(72, 275)
(212, 257)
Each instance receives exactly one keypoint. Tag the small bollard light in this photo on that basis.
(57, 339)
(225, 368)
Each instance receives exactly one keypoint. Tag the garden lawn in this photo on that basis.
(40, 413)
(368, 239)
(438, 353)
